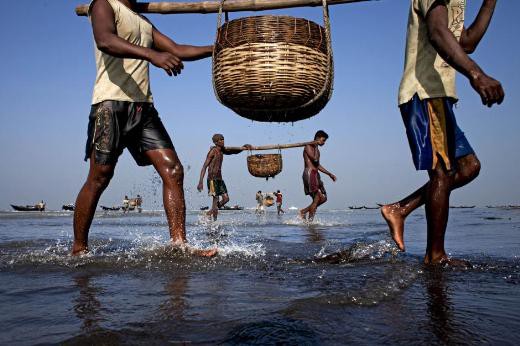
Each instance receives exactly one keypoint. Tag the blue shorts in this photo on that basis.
(433, 133)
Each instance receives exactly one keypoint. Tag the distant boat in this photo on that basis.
(504, 206)
(69, 207)
(28, 207)
(362, 207)
(109, 208)
(462, 206)
(235, 207)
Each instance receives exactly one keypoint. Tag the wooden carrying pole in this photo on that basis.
(229, 6)
(274, 146)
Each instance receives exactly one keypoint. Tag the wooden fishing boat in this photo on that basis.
(109, 208)
(28, 207)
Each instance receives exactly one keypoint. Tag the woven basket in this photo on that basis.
(273, 68)
(264, 165)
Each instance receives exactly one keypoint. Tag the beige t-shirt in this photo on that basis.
(122, 79)
(425, 72)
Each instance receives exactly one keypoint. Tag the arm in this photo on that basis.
(204, 168)
(186, 52)
(227, 151)
(322, 169)
(473, 34)
(107, 41)
(446, 45)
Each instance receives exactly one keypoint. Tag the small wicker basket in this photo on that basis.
(264, 165)
(273, 68)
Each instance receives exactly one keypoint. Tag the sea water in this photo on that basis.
(268, 285)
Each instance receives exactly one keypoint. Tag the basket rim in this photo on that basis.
(271, 16)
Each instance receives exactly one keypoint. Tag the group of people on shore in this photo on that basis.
(123, 116)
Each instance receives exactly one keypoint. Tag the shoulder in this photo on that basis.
(147, 20)
(102, 9)
(101, 5)
(212, 151)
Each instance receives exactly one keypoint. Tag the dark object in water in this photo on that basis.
(69, 207)
(462, 206)
(28, 208)
(362, 207)
(235, 207)
(110, 208)
(506, 207)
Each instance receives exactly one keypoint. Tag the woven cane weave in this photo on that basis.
(264, 165)
(273, 68)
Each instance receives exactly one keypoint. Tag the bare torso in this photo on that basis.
(311, 157)
(215, 165)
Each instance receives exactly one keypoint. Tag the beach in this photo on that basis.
(268, 285)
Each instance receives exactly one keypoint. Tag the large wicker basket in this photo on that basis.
(273, 68)
(264, 165)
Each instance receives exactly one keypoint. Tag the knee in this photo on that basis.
(470, 169)
(474, 168)
(174, 173)
(323, 199)
(100, 179)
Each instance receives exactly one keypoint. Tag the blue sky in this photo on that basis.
(48, 70)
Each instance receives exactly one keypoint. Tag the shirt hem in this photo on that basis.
(423, 96)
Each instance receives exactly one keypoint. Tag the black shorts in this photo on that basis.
(115, 125)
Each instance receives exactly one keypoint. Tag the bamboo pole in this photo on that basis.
(274, 146)
(229, 6)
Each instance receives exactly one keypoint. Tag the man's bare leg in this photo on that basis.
(224, 200)
(214, 208)
(437, 206)
(396, 213)
(169, 167)
(98, 179)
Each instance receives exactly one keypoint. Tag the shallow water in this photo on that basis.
(267, 285)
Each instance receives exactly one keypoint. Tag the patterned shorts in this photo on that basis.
(433, 133)
(115, 125)
(216, 187)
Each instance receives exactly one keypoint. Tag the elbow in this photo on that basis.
(104, 44)
(468, 49)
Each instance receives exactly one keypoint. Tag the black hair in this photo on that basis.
(216, 137)
(321, 134)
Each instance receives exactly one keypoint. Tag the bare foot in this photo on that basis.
(194, 251)
(203, 252)
(78, 250)
(302, 214)
(446, 261)
(395, 222)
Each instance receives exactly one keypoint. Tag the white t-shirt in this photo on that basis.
(425, 72)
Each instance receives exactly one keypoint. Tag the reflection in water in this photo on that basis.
(86, 306)
(175, 306)
(314, 235)
(439, 305)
